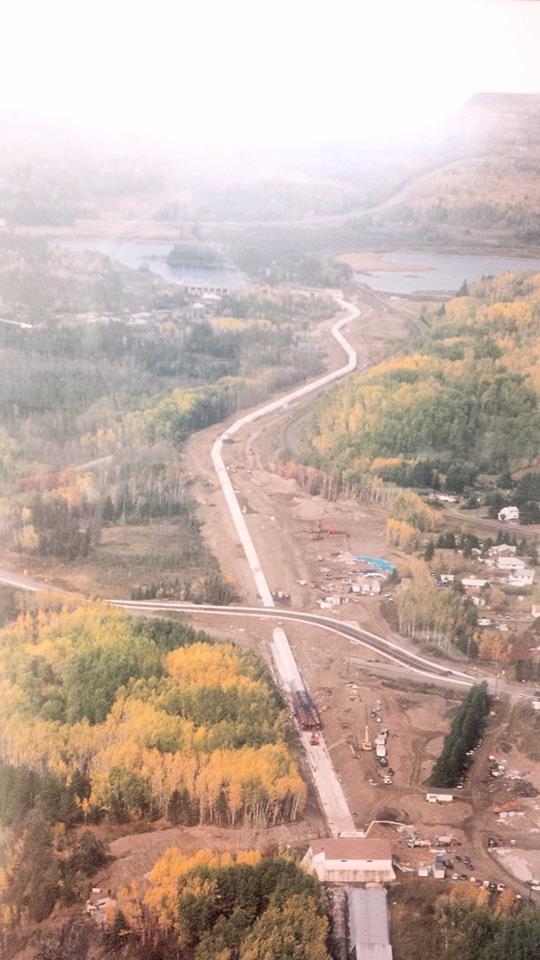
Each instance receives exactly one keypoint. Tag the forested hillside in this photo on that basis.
(461, 400)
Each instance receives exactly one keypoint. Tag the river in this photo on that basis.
(396, 272)
(436, 272)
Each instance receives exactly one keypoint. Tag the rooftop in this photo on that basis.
(368, 923)
(353, 848)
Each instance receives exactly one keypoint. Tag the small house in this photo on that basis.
(439, 869)
(510, 563)
(370, 586)
(473, 584)
(522, 578)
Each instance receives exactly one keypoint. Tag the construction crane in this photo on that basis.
(366, 742)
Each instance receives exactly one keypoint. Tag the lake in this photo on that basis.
(406, 272)
(153, 256)
(436, 272)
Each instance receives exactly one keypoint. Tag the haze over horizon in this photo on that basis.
(242, 75)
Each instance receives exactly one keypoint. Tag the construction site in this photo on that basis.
(383, 728)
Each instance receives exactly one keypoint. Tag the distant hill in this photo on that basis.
(475, 187)
(479, 189)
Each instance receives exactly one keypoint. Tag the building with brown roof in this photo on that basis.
(350, 860)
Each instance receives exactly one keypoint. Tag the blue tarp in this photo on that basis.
(378, 563)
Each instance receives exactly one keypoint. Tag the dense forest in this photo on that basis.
(461, 401)
(111, 717)
(158, 719)
(212, 906)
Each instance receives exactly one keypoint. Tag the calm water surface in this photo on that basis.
(153, 256)
(428, 272)
(440, 273)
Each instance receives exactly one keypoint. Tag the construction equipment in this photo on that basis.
(366, 742)
(329, 528)
(305, 710)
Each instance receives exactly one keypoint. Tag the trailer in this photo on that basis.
(305, 710)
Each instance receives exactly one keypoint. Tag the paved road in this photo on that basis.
(11, 579)
(429, 669)
(398, 654)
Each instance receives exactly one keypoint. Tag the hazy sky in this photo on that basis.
(262, 70)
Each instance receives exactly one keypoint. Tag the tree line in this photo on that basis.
(466, 731)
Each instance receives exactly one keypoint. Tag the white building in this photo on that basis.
(440, 795)
(474, 583)
(350, 860)
(522, 578)
(370, 586)
(508, 513)
(439, 869)
(510, 563)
